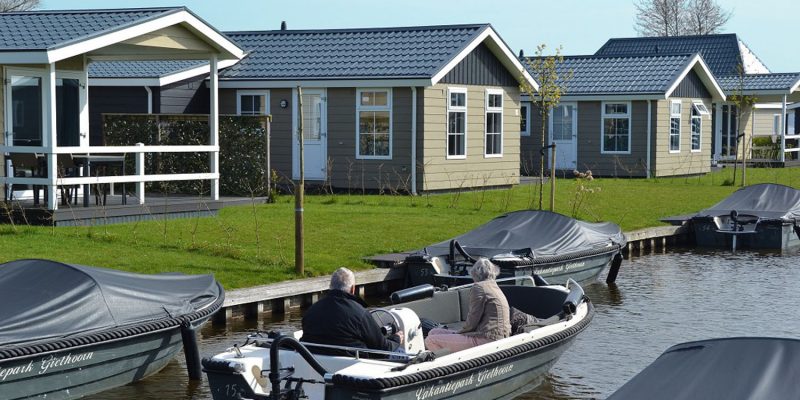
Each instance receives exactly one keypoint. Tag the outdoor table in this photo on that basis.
(88, 160)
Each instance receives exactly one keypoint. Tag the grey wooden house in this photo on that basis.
(627, 116)
(411, 109)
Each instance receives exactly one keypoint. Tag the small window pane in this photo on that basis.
(676, 108)
(456, 122)
(494, 122)
(523, 119)
(616, 108)
(458, 99)
(496, 100)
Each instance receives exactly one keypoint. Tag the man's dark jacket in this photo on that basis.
(342, 319)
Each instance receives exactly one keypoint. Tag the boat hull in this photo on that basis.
(83, 370)
(775, 235)
(584, 270)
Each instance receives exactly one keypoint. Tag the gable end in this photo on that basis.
(480, 67)
(691, 86)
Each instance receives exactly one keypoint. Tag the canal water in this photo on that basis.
(659, 300)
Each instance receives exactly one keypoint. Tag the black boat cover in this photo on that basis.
(539, 233)
(46, 299)
(730, 369)
(766, 200)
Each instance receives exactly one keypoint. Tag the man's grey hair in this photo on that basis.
(483, 269)
(343, 279)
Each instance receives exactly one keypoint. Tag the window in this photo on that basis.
(523, 121)
(494, 123)
(675, 126)
(374, 113)
(697, 126)
(252, 102)
(616, 129)
(456, 123)
(776, 124)
(700, 107)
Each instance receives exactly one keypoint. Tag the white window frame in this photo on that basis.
(603, 117)
(450, 109)
(699, 117)
(527, 115)
(672, 115)
(700, 107)
(240, 93)
(496, 110)
(360, 108)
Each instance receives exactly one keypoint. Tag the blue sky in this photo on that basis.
(580, 26)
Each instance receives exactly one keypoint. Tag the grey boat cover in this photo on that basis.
(44, 299)
(766, 200)
(730, 369)
(537, 233)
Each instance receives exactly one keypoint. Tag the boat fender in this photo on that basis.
(413, 293)
(574, 298)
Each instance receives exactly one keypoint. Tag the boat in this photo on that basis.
(738, 368)
(278, 366)
(67, 331)
(529, 242)
(763, 216)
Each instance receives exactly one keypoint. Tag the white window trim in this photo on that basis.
(527, 131)
(691, 128)
(603, 116)
(240, 93)
(486, 112)
(700, 107)
(359, 108)
(680, 128)
(450, 108)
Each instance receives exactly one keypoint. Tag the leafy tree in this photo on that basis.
(744, 106)
(18, 5)
(679, 17)
(551, 87)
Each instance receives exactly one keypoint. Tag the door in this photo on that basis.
(315, 135)
(564, 133)
(725, 143)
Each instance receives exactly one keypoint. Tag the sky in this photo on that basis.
(768, 27)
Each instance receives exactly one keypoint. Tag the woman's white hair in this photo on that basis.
(343, 279)
(483, 269)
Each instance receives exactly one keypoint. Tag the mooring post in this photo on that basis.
(191, 351)
(614, 270)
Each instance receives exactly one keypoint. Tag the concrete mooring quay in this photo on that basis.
(280, 297)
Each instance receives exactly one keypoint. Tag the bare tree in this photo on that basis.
(18, 5)
(660, 17)
(704, 17)
(679, 17)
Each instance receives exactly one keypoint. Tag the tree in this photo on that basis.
(704, 17)
(679, 17)
(18, 5)
(744, 107)
(551, 87)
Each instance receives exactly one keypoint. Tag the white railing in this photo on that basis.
(139, 177)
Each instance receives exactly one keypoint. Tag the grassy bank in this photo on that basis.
(253, 245)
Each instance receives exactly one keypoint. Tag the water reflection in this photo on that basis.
(659, 300)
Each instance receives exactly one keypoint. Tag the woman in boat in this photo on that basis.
(488, 316)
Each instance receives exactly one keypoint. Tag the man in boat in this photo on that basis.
(488, 317)
(341, 318)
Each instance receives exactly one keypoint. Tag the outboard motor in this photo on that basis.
(420, 268)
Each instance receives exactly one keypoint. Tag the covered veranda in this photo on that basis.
(47, 156)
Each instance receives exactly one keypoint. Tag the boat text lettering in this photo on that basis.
(55, 362)
(19, 369)
(476, 379)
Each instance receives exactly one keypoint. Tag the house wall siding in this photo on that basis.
(281, 128)
(692, 87)
(475, 170)
(530, 145)
(685, 162)
(113, 99)
(589, 142)
(186, 97)
(480, 67)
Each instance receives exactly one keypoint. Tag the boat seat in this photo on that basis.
(548, 303)
(443, 307)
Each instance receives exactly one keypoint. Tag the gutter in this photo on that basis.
(149, 99)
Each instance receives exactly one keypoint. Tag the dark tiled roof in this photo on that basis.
(774, 81)
(42, 30)
(412, 52)
(599, 75)
(720, 52)
(140, 69)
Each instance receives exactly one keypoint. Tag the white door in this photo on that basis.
(315, 135)
(564, 133)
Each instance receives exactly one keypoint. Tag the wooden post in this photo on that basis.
(553, 179)
(298, 205)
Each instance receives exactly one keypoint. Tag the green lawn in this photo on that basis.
(253, 245)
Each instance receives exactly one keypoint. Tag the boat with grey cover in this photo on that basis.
(738, 368)
(528, 242)
(280, 367)
(763, 216)
(67, 331)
